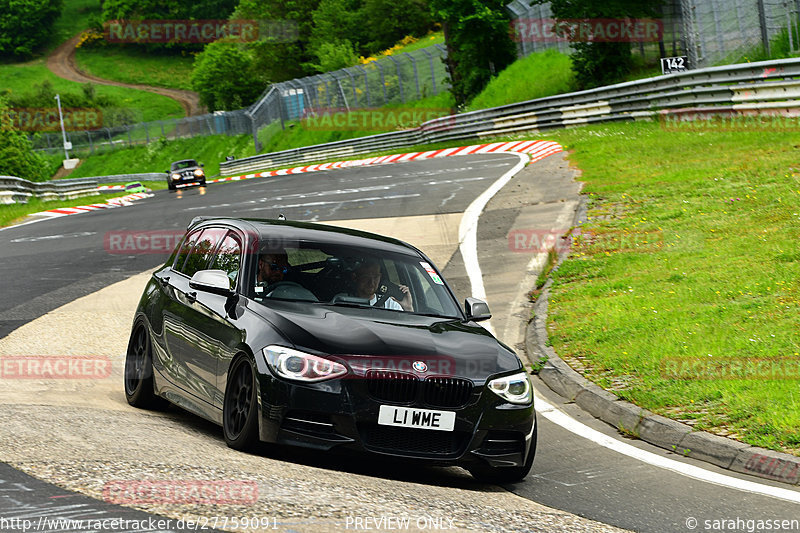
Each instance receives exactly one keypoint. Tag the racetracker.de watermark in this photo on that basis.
(716, 368)
(184, 492)
(538, 240)
(142, 242)
(47, 118)
(588, 30)
(54, 367)
(702, 120)
(400, 118)
(199, 31)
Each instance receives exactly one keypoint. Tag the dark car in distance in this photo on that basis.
(185, 172)
(263, 327)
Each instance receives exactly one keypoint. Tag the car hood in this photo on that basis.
(378, 339)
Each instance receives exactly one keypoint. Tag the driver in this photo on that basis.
(272, 267)
(366, 279)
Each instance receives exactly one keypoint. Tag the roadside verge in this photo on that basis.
(640, 423)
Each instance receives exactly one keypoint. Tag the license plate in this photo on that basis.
(407, 417)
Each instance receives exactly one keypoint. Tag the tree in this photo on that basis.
(336, 21)
(282, 59)
(602, 63)
(25, 25)
(391, 20)
(478, 43)
(17, 157)
(224, 76)
(172, 9)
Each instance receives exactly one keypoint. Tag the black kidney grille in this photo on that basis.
(391, 386)
(414, 441)
(447, 392)
(399, 387)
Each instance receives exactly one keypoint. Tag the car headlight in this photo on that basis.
(198, 172)
(514, 389)
(176, 176)
(300, 366)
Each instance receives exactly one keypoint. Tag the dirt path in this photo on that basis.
(62, 63)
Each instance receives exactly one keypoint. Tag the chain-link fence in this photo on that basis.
(708, 32)
(393, 79)
(86, 143)
(669, 43)
(719, 31)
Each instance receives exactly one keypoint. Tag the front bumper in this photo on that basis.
(343, 415)
(186, 179)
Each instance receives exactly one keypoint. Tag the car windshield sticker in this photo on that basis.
(432, 273)
(259, 288)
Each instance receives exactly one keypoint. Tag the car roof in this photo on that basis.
(185, 161)
(307, 231)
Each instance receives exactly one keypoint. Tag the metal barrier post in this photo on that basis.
(416, 74)
(399, 79)
(433, 72)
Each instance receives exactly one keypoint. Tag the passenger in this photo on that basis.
(366, 279)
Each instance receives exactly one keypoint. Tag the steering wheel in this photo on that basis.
(288, 286)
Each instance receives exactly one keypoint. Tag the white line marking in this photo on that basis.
(49, 237)
(468, 232)
(317, 204)
(572, 425)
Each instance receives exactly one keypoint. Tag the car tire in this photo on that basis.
(139, 385)
(171, 186)
(203, 182)
(240, 409)
(501, 475)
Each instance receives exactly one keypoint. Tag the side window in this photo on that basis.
(201, 253)
(229, 258)
(185, 249)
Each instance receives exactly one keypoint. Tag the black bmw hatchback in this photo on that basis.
(329, 338)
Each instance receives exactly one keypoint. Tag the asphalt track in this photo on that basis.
(49, 264)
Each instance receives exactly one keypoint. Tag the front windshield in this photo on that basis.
(348, 276)
(184, 164)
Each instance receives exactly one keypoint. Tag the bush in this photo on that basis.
(25, 25)
(17, 157)
(224, 76)
(333, 56)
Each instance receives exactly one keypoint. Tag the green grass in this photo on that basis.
(689, 253)
(131, 65)
(14, 213)
(423, 42)
(20, 79)
(156, 156)
(535, 76)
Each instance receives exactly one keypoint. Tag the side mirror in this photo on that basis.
(214, 281)
(202, 165)
(476, 309)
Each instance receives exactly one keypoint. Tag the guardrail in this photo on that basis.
(18, 190)
(122, 178)
(749, 88)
